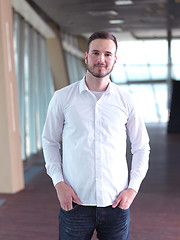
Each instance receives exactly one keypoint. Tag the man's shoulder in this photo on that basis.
(121, 90)
(68, 89)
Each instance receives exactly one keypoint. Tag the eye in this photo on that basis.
(108, 55)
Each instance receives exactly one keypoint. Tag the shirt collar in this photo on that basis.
(110, 89)
(83, 87)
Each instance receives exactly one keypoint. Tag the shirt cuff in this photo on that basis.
(56, 178)
(135, 185)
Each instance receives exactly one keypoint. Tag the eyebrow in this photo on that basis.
(99, 51)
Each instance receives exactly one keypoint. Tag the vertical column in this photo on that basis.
(83, 45)
(174, 117)
(11, 169)
(57, 63)
(169, 79)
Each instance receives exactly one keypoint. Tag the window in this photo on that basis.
(142, 67)
(35, 84)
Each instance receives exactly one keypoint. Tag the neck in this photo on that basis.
(96, 84)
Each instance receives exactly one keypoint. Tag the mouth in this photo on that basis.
(100, 66)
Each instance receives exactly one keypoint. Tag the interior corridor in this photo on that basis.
(155, 213)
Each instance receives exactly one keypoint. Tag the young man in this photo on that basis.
(92, 118)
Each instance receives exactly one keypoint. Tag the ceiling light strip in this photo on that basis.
(123, 2)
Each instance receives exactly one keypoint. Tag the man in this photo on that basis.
(92, 118)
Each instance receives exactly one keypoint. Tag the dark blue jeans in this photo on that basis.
(80, 223)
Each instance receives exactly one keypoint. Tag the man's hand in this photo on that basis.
(65, 195)
(125, 199)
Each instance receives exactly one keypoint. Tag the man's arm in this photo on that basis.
(140, 147)
(140, 159)
(51, 138)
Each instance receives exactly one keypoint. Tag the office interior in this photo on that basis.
(42, 48)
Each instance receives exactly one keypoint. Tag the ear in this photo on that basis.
(86, 56)
(115, 60)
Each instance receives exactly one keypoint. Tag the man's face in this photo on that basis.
(101, 57)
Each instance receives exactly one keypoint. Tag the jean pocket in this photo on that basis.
(75, 205)
(123, 210)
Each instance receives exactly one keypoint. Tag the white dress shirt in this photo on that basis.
(93, 135)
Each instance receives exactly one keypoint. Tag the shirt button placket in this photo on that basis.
(98, 154)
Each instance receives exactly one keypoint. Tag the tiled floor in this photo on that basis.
(155, 213)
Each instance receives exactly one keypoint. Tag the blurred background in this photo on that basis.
(42, 47)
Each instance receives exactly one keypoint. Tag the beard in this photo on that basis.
(99, 73)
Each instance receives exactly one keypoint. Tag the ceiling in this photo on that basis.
(142, 19)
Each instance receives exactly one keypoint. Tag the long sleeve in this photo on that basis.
(51, 139)
(140, 149)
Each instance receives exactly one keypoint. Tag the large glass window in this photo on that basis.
(142, 67)
(35, 84)
(74, 57)
(141, 61)
(75, 67)
(152, 100)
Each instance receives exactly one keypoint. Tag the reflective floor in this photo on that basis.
(155, 213)
(156, 210)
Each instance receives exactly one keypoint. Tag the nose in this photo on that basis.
(101, 58)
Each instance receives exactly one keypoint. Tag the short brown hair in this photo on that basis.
(102, 35)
